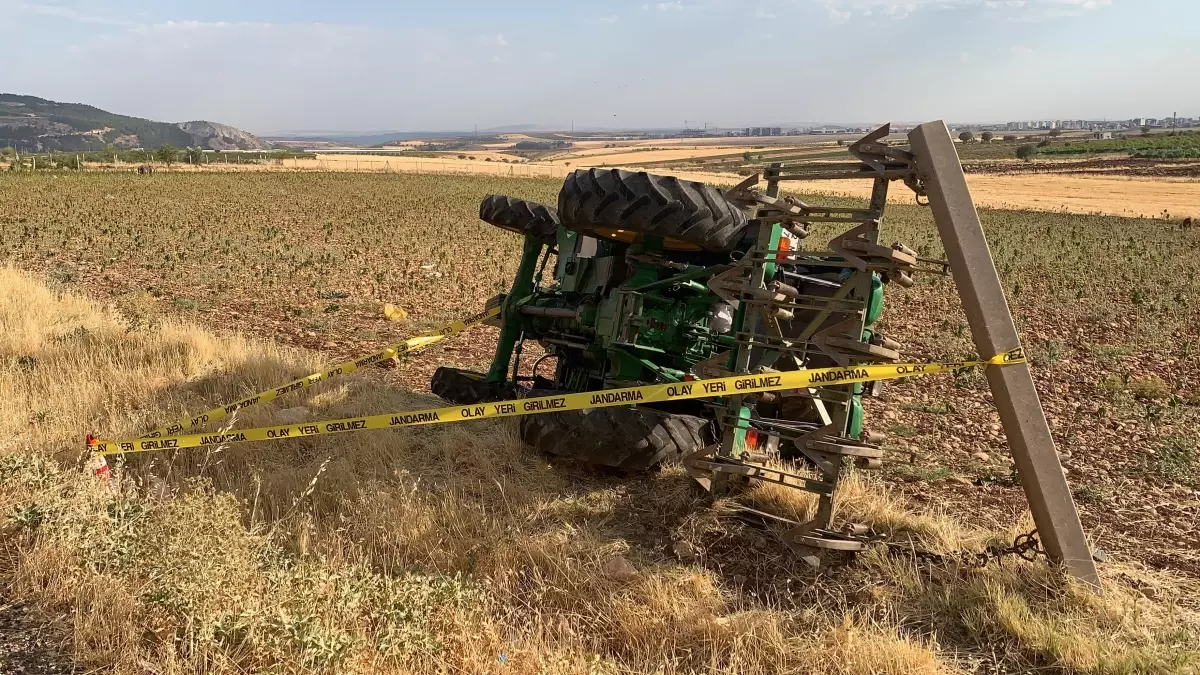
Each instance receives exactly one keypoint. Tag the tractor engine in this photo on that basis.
(618, 315)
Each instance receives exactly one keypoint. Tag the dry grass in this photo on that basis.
(454, 549)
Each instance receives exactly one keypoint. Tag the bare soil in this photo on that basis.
(27, 645)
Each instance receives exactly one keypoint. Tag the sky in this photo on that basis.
(273, 66)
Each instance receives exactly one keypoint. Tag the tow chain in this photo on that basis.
(1026, 546)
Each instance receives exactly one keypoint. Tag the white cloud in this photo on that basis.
(610, 19)
(1026, 10)
(548, 56)
(1021, 50)
(836, 15)
(761, 12)
(496, 40)
(60, 12)
(964, 57)
(668, 6)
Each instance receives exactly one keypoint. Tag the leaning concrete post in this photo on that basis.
(994, 332)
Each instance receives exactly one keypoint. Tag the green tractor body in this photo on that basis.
(609, 320)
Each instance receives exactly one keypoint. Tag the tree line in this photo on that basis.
(166, 153)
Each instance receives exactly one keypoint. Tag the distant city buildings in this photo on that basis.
(763, 131)
(1018, 127)
(1172, 122)
(827, 129)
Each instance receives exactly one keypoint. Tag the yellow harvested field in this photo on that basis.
(449, 162)
(1086, 194)
(618, 156)
(479, 155)
(611, 156)
(1074, 194)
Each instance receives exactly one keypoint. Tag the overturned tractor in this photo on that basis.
(660, 280)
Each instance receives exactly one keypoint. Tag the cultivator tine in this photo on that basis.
(870, 151)
(808, 540)
(700, 475)
(714, 366)
(828, 431)
(742, 190)
(728, 284)
(842, 349)
(719, 464)
(798, 216)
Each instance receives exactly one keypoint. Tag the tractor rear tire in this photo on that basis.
(662, 206)
(519, 216)
(629, 439)
(464, 387)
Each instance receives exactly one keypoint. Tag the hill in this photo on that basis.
(32, 124)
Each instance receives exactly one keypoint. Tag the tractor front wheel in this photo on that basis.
(630, 439)
(519, 216)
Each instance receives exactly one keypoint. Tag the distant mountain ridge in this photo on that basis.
(32, 124)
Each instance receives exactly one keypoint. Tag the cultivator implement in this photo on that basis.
(800, 309)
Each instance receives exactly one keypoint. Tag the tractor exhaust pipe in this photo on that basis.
(553, 312)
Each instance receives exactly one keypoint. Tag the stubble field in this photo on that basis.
(134, 300)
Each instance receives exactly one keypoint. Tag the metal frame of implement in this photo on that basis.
(838, 332)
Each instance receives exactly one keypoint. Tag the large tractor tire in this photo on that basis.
(465, 387)
(519, 216)
(615, 204)
(629, 439)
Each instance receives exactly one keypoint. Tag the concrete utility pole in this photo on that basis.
(992, 327)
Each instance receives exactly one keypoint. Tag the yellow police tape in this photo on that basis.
(721, 386)
(412, 344)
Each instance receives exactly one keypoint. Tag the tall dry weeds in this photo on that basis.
(454, 549)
